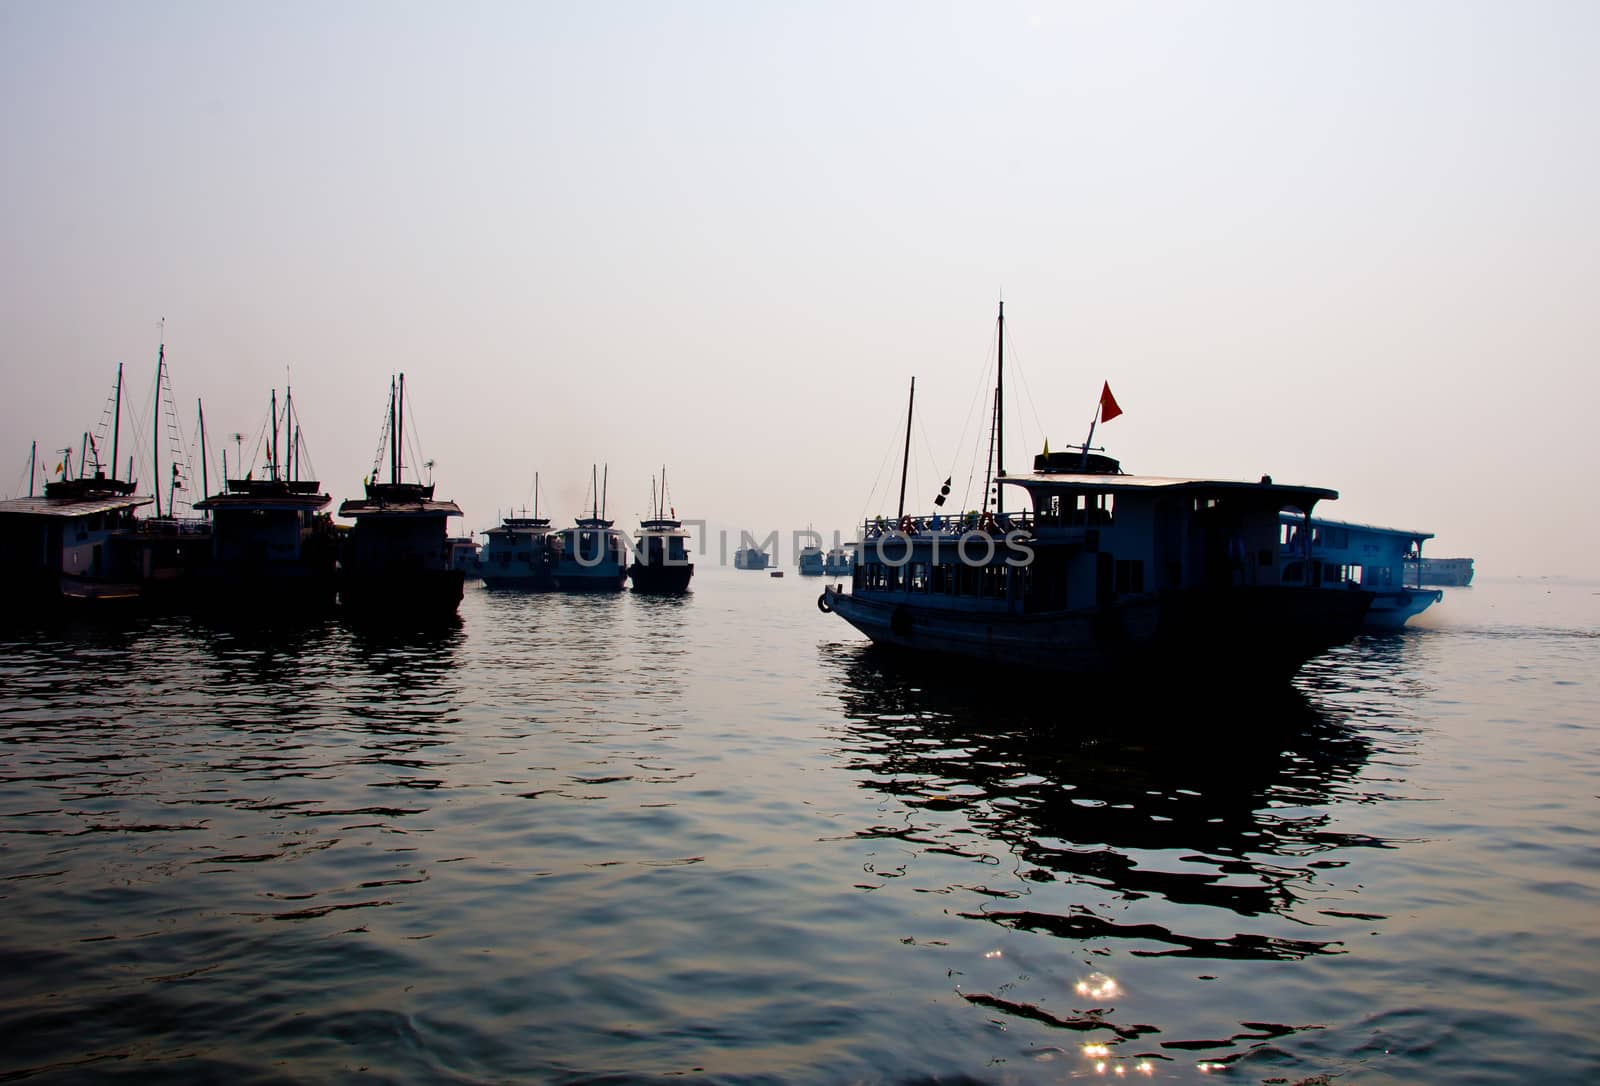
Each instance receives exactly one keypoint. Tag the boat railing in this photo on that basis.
(997, 525)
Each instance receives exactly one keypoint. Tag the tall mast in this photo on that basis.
(288, 428)
(605, 481)
(905, 462)
(205, 482)
(399, 430)
(536, 495)
(394, 468)
(1000, 409)
(83, 456)
(116, 422)
(155, 423)
(274, 435)
(33, 464)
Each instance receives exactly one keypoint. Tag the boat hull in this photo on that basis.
(419, 594)
(1268, 632)
(1392, 610)
(605, 577)
(541, 580)
(660, 579)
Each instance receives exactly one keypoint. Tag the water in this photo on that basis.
(629, 839)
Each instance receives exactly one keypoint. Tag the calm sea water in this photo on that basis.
(716, 837)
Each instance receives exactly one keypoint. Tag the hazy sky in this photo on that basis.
(1351, 245)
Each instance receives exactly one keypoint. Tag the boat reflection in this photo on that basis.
(1132, 826)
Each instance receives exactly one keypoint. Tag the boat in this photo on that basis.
(395, 560)
(661, 551)
(592, 555)
(775, 573)
(1156, 577)
(1339, 555)
(60, 546)
(274, 549)
(462, 551)
(1450, 572)
(810, 561)
(82, 542)
(750, 557)
(838, 562)
(521, 551)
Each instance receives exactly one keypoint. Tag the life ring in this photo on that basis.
(986, 523)
(907, 525)
(822, 604)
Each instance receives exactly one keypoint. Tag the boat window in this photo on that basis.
(1294, 573)
(917, 577)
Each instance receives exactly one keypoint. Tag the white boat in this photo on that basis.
(592, 556)
(1106, 571)
(1341, 555)
(463, 555)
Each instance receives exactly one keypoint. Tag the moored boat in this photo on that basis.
(592, 555)
(521, 551)
(750, 557)
(810, 561)
(1449, 572)
(395, 560)
(274, 549)
(838, 562)
(661, 550)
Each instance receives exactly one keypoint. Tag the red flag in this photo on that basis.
(1108, 404)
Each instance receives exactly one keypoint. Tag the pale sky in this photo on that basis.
(1349, 245)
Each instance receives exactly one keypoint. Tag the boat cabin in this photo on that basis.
(68, 535)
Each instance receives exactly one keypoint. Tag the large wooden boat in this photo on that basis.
(395, 561)
(1106, 571)
(274, 548)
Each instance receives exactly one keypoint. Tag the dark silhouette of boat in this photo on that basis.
(395, 560)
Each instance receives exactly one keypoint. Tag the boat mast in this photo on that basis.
(536, 495)
(274, 435)
(399, 429)
(288, 429)
(205, 479)
(905, 461)
(605, 484)
(1000, 408)
(83, 456)
(116, 422)
(155, 422)
(33, 464)
(393, 445)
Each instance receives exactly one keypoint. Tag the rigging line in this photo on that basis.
(377, 456)
(1027, 390)
(972, 471)
(893, 441)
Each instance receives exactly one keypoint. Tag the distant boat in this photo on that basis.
(750, 558)
(396, 559)
(273, 547)
(1153, 576)
(775, 573)
(521, 552)
(593, 555)
(1342, 555)
(463, 555)
(1450, 572)
(810, 561)
(838, 562)
(661, 552)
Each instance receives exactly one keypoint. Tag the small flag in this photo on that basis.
(1108, 404)
(61, 465)
(1047, 448)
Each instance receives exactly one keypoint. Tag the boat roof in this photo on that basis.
(661, 525)
(367, 507)
(1373, 528)
(592, 522)
(69, 507)
(1105, 483)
